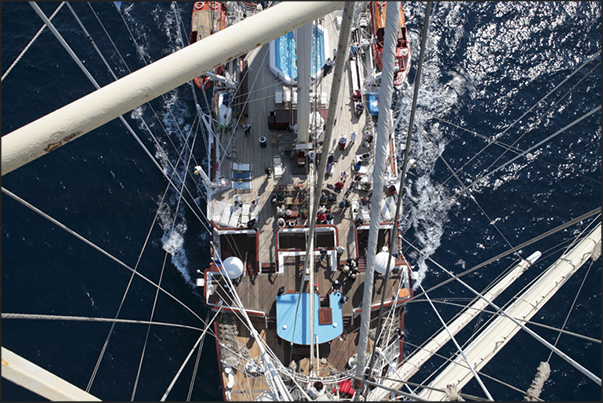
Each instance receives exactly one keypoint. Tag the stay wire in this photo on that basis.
(160, 280)
(31, 41)
(544, 115)
(98, 362)
(99, 249)
(512, 250)
(31, 316)
(533, 106)
(165, 100)
(446, 301)
(472, 197)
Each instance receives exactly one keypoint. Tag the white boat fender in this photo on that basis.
(231, 381)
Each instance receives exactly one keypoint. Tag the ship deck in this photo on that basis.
(264, 275)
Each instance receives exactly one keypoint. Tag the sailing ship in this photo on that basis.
(274, 273)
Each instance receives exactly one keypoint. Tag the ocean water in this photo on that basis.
(486, 64)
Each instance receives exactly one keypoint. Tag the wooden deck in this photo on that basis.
(259, 285)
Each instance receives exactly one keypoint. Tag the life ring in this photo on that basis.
(197, 82)
(199, 5)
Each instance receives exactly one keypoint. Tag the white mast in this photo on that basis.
(80, 117)
(503, 328)
(411, 365)
(342, 52)
(303, 37)
(381, 147)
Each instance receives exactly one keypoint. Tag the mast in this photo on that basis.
(504, 327)
(303, 37)
(385, 98)
(342, 52)
(303, 47)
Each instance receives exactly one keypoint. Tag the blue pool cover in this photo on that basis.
(293, 322)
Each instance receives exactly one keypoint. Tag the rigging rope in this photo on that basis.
(598, 108)
(81, 238)
(448, 360)
(550, 92)
(31, 42)
(201, 338)
(194, 376)
(510, 251)
(571, 308)
(527, 322)
(93, 81)
(472, 197)
(33, 316)
(477, 378)
(586, 372)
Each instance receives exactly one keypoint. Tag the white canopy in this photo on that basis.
(233, 267)
(381, 263)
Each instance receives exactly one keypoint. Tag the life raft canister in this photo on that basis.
(198, 5)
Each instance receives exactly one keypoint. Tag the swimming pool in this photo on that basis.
(283, 57)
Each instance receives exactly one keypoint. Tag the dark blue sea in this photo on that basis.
(486, 65)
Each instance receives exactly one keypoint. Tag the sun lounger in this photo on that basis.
(243, 187)
(218, 210)
(245, 176)
(355, 205)
(245, 214)
(278, 167)
(365, 213)
(384, 208)
(225, 218)
(278, 97)
(234, 217)
(241, 167)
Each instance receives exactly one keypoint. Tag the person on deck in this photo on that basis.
(342, 141)
(246, 128)
(322, 218)
(330, 218)
(323, 254)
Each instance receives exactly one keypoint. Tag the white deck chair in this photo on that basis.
(355, 205)
(243, 187)
(245, 214)
(294, 98)
(218, 210)
(234, 218)
(287, 95)
(391, 206)
(278, 97)
(365, 213)
(225, 216)
(253, 215)
(278, 167)
(241, 167)
(363, 170)
(384, 207)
